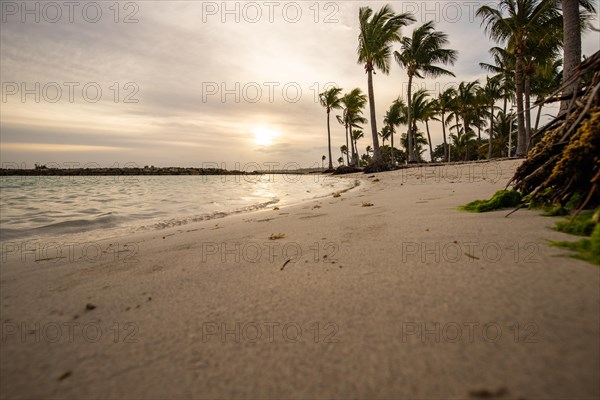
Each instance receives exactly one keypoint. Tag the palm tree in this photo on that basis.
(344, 150)
(547, 81)
(463, 141)
(342, 121)
(520, 23)
(463, 104)
(419, 54)
(504, 68)
(423, 111)
(418, 144)
(378, 32)
(330, 100)
(492, 91)
(443, 103)
(395, 116)
(357, 134)
(385, 134)
(353, 104)
(504, 124)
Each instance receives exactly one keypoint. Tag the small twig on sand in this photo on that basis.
(285, 263)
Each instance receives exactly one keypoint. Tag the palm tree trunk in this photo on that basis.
(429, 140)
(329, 141)
(539, 113)
(411, 153)
(416, 154)
(352, 142)
(527, 109)
(444, 135)
(491, 132)
(572, 46)
(376, 154)
(347, 152)
(521, 134)
(392, 149)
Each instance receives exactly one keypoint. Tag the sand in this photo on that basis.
(407, 298)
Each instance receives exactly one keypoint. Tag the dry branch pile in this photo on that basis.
(566, 161)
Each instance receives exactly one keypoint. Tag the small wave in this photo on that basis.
(214, 215)
(63, 227)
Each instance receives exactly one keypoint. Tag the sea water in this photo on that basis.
(33, 207)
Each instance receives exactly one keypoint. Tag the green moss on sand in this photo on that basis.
(586, 249)
(500, 199)
(582, 225)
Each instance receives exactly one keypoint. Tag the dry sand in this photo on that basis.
(407, 298)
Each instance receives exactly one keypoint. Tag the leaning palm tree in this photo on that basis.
(519, 24)
(330, 100)
(444, 102)
(378, 32)
(419, 55)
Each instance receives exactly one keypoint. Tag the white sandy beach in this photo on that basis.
(407, 298)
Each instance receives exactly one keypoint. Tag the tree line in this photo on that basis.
(534, 38)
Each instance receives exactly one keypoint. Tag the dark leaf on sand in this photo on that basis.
(64, 376)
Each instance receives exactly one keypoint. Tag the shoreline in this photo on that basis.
(354, 301)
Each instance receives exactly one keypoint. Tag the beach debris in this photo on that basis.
(317, 206)
(372, 176)
(365, 204)
(563, 165)
(376, 180)
(336, 194)
(275, 208)
(471, 256)
(89, 307)
(64, 375)
(285, 263)
(275, 236)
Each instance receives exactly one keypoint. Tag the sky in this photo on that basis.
(193, 83)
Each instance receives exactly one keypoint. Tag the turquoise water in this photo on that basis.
(99, 206)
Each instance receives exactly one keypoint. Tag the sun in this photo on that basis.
(264, 136)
